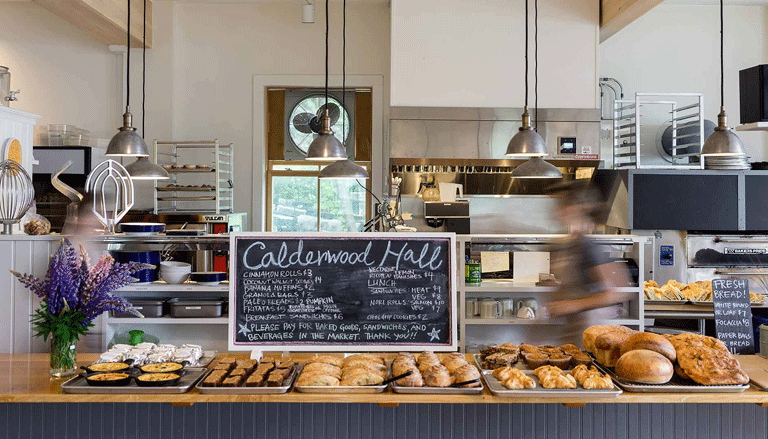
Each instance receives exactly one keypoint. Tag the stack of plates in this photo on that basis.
(730, 163)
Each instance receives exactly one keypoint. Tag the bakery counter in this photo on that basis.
(24, 378)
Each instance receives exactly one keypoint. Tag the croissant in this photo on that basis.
(581, 372)
(597, 381)
(557, 381)
(520, 382)
(546, 370)
(504, 373)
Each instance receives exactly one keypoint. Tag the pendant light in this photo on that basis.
(143, 168)
(526, 142)
(344, 169)
(536, 167)
(723, 142)
(127, 142)
(326, 146)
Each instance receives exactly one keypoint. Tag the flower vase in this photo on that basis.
(63, 356)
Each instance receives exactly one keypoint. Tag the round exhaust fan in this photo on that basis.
(305, 122)
(664, 139)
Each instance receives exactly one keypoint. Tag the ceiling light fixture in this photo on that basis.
(308, 12)
(526, 142)
(723, 142)
(326, 146)
(344, 169)
(536, 167)
(127, 142)
(143, 168)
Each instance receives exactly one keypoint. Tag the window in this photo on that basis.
(298, 201)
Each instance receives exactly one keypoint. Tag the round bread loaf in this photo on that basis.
(650, 341)
(608, 346)
(644, 366)
(591, 333)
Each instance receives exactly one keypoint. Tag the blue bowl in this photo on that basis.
(147, 257)
(208, 278)
(142, 229)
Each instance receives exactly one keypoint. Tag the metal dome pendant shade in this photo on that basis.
(127, 142)
(143, 169)
(723, 142)
(536, 167)
(344, 169)
(526, 142)
(326, 146)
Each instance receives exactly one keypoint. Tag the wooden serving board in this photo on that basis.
(757, 368)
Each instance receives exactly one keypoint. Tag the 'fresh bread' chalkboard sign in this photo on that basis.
(342, 292)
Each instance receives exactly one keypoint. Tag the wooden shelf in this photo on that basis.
(168, 321)
(25, 378)
(757, 126)
(501, 286)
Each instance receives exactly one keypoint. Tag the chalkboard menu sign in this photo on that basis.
(342, 292)
(733, 314)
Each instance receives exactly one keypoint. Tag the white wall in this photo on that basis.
(675, 48)
(459, 53)
(64, 74)
(216, 49)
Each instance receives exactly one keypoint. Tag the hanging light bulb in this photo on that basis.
(528, 139)
(326, 146)
(143, 168)
(127, 142)
(723, 142)
(526, 142)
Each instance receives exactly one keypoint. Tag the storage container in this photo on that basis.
(196, 308)
(147, 307)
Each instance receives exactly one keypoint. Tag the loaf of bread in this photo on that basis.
(650, 341)
(608, 347)
(644, 366)
(591, 334)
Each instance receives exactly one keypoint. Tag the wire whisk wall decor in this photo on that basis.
(110, 178)
(16, 194)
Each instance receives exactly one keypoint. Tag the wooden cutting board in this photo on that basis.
(757, 368)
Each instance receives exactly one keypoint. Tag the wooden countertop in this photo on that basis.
(25, 378)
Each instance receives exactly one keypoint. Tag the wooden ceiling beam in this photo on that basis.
(615, 15)
(104, 19)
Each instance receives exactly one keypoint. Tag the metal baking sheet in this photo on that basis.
(675, 385)
(338, 389)
(519, 365)
(242, 390)
(439, 390)
(495, 386)
(666, 302)
(78, 384)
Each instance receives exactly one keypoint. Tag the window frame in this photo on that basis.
(272, 172)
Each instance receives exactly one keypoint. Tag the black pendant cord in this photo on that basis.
(327, 28)
(144, 72)
(722, 57)
(526, 53)
(535, 65)
(344, 71)
(128, 61)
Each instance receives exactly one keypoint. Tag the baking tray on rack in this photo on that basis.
(338, 389)
(495, 386)
(675, 385)
(242, 390)
(204, 198)
(184, 189)
(77, 384)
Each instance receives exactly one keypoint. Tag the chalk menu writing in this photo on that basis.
(343, 290)
(733, 314)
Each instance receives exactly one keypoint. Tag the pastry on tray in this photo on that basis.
(316, 379)
(467, 372)
(552, 377)
(437, 376)
(513, 378)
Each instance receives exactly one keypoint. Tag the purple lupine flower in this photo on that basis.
(72, 284)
